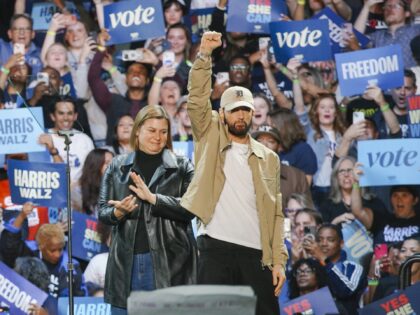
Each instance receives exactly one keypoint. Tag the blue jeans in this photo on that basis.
(142, 278)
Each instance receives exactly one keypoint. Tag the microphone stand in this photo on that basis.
(70, 267)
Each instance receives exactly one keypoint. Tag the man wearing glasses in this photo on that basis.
(400, 30)
(239, 75)
(21, 32)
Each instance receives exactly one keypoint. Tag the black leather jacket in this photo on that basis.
(172, 244)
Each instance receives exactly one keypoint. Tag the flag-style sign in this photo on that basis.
(131, 21)
(307, 40)
(254, 16)
(383, 67)
(44, 184)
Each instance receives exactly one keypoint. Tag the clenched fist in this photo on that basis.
(209, 42)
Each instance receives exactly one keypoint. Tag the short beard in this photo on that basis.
(238, 133)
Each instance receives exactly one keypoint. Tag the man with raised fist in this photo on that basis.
(235, 192)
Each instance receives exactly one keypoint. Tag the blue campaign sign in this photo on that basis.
(308, 39)
(319, 302)
(42, 13)
(86, 236)
(252, 16)
(335, 23)
(184, 148)
(43, 184)
(85, 306)
(414, 116)
(131, 21)
(19, 130)
(401, 302)
(198, 21)
(358, 245)
(17, 293)
(382, 66)
(389, 162)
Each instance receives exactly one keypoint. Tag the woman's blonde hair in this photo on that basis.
(149, 112)
(47, 232)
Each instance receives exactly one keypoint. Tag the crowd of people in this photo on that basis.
(127, 115)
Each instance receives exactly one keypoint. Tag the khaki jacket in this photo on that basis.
(211, 143)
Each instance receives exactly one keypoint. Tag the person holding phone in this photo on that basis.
(21, 34)
(345, 278)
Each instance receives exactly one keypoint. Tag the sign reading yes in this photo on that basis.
(308, 38)
(389, 162)
(130, 21)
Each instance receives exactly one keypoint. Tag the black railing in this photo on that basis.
(405, 271)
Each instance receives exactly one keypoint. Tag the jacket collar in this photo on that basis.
(168, 160)
(255, 146)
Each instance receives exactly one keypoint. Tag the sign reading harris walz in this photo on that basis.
(377, 66)
(254, 16)
(389, 162)
(130, 21)
(41, 183)
(309, 40)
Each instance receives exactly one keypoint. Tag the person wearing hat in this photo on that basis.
(235, 192)
(292, 180)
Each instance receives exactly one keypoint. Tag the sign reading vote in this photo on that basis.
(254, 16)
(357, 242)
(335, 23)
(44, 184)
(85, 233)
(401, 302)
(377, 66)
(317, 302)
(17, 293)
(85, 306)
(19, 130)
(307, 39)
(130, 21)
(414, 115)
(42, 13)
(389, 162)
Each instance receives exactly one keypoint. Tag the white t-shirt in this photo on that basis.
(95, 270)
(235, 218)
(79, 148)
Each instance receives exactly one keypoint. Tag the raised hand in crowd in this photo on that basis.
(344, 218)
(88, 47)
(58, 22)
(13, 60)
(313, 248)
(27, 209)
(350, 41)
(46, 139)
(103, 37)
(40, 90)
(148, 57)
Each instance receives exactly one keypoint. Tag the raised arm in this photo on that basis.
(199, 85)
(364, 215)
(58, 22)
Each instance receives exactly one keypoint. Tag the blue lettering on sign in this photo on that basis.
(129, 18)
(387, 158)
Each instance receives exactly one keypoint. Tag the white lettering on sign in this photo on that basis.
(136, 17)
(303, 38)
(14, 295)
(36, 179)
(370, 67)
